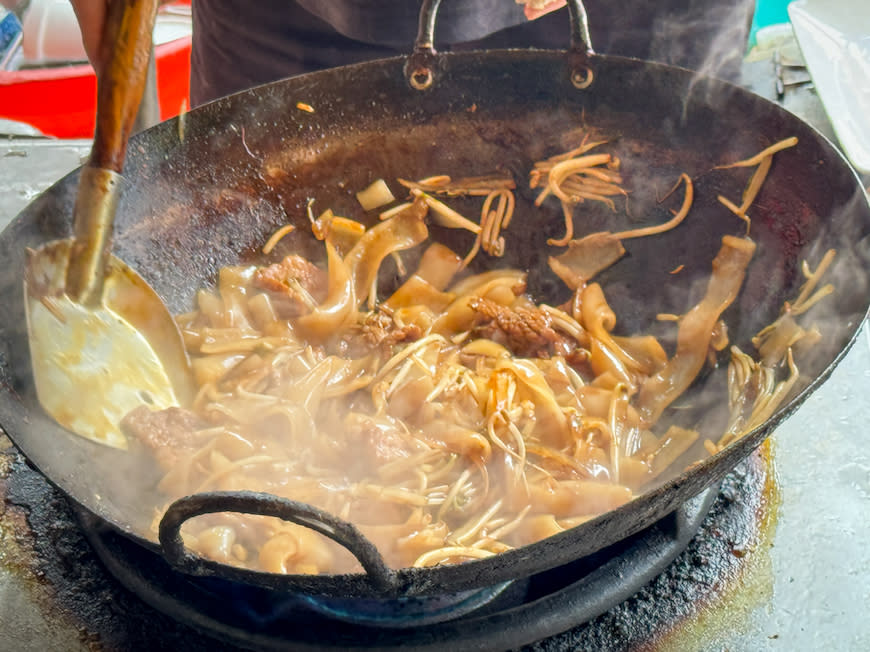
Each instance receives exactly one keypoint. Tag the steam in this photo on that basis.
(839, 317)
(678, 38)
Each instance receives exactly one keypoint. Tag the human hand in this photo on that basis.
(91, 15)
(537, 8)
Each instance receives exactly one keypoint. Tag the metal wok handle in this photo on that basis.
(421, 63)
(263, 504)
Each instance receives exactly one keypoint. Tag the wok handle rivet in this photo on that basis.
(421, 78)
(582, 77)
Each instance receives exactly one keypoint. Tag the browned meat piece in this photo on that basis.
(277, 277)
(379, 330)
(169, 434)
(524, 331)
(289, 281)
(384, 446)
(373, 444)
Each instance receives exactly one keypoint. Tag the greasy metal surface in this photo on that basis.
(90, 611)
(248, 164)
(94, 363)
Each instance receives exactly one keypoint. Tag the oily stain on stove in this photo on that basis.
(743, 565)
(70, 599)
(28, 596)
(723, 574)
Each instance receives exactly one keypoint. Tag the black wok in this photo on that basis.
(207, 189)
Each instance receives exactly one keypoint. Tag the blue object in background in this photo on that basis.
(768, 12)
(10, 36)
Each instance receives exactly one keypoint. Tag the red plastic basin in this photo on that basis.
(62, 101)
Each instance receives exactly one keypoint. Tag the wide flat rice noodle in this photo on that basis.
(586, 257)
(403, 231)
(696, 329)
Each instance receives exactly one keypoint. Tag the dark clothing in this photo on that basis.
(394, 24)
(238, 43)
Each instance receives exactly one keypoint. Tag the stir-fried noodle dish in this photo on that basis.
(456, 416)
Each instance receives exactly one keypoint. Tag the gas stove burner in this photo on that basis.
(404, 612)
(496, 618)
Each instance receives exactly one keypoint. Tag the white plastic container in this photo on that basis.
(51, 33)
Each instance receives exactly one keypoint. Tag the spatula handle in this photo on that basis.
(123, 63)
(124, 51)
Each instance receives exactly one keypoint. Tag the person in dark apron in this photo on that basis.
(238, 44)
